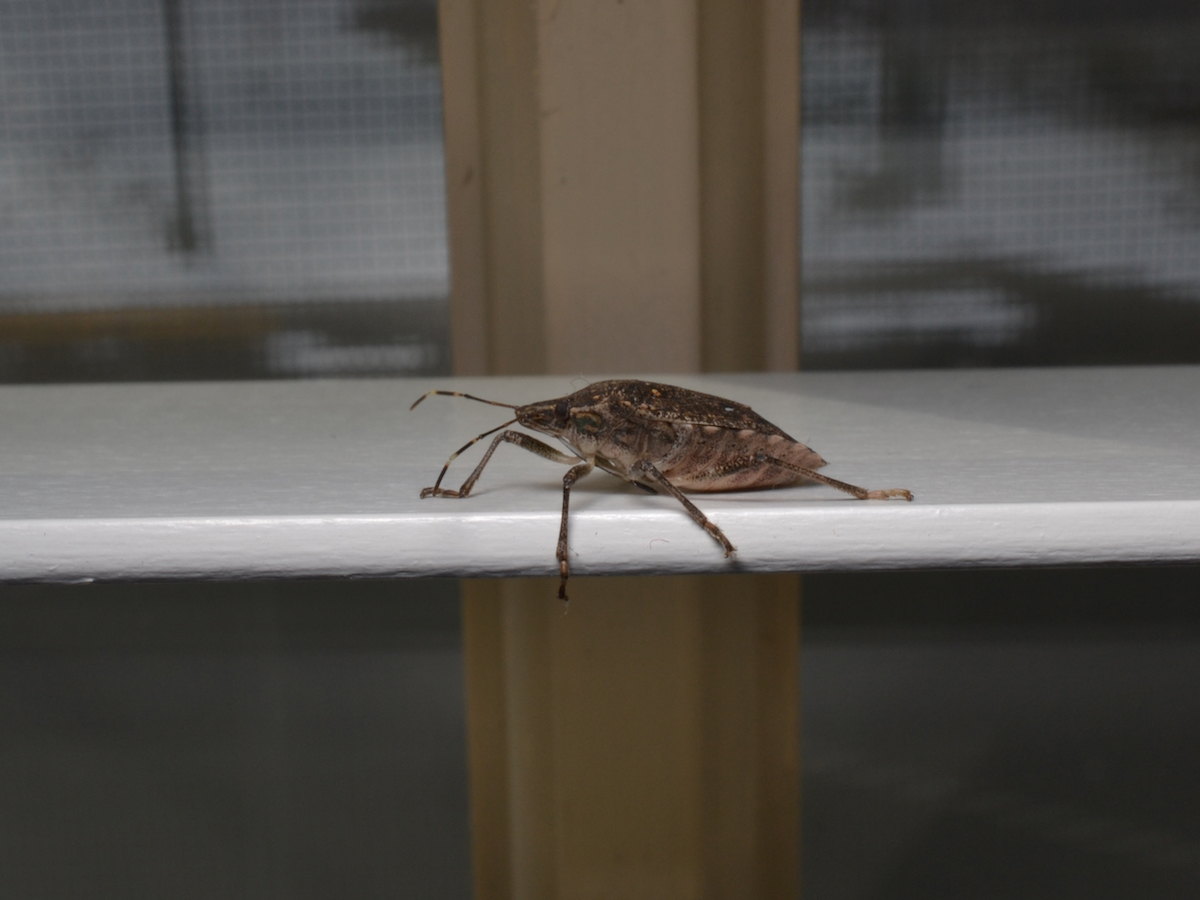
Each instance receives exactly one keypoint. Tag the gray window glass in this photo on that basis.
(1001, 183)
(220, 188)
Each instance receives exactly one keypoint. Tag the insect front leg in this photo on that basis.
(854, 490)
(533, 445)
(647, 468)
(564, 569)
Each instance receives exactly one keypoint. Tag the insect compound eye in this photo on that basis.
(561, 411)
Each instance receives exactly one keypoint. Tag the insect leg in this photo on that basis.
(564, 570)
(860, 493)
(647, 468)
(533, 445)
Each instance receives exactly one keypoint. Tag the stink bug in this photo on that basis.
(659, 437)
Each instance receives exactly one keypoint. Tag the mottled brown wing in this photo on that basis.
(668, 403)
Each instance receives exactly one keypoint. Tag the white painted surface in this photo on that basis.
(266, 479)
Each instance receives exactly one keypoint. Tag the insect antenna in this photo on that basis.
(460, 394)
(453, 456)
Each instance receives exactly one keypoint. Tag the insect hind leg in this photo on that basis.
(852, 489)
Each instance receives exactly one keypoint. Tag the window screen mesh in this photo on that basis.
(220, 188)
(284, 157)
(1000, 183)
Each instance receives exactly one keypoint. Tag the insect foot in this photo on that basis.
(660, 438)
(890, 494)
(440, 492)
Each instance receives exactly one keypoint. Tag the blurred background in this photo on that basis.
(1001, 182)
(221, 189)
(204, 189)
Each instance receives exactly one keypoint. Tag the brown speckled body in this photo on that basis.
(698, 441)
(660, 438)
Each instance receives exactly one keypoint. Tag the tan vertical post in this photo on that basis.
(749, 78)
(622, 197)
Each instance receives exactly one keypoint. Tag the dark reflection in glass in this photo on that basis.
(1001, 183)
(283, 739)
(1001, 734)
